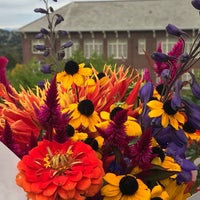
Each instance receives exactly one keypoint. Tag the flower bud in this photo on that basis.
(62, 32)
(59, 19)
(40, 10)
(196, 4)
(38, 35)
(184, 57)
(146, 92)
(195, 87)
(44, 31)
(46, 69)
(46, 53)
(40, 47)
(67, 44)
(173, 30)
(161, 57)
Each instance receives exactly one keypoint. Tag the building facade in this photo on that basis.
(123, 30)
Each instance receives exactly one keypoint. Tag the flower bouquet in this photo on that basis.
(110, 134)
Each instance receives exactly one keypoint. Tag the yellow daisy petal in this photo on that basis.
(173, 122)
(165, 120)
(110, 191)
(112, 179)
(156, 113)
(78, 79)
(85, 71)
(133, 128)
(67, 81)
(84, 121)
(105, 115)
(154, 104)
(60, 76)
(180, 117)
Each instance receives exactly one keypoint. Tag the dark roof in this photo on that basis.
(128, 15)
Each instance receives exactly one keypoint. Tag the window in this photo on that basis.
(141, 46)
(69, 51)
(37, 42)
(186, 77)
(92, 46)
(168, 43)
(118, 48)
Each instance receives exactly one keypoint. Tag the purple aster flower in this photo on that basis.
(140, 153)
(195, 87)
(146, 92)
(192, 112)
(176, 98)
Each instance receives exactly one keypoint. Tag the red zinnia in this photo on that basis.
(54, 171)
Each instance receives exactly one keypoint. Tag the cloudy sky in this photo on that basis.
(17, 13)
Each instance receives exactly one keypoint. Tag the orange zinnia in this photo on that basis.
(60, 171)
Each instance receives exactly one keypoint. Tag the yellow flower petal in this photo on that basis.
(112, 179)
(133, 128)
(173, 122)
(156, 113)
(85, 71)
(110, 191)
(78, 79)
(154, 104)
(180, 117)
(165, 120)
(105, 115)
(67, 81)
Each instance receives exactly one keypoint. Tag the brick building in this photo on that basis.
(119, 28)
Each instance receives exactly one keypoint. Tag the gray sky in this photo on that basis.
(17, 13)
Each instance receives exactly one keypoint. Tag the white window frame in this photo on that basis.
(141, 46)
(37, 42)
(168, 43)
(186, 77)
(92, 46)
(69, 51)
(118, 48)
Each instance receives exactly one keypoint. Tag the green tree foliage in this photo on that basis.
(27, 75)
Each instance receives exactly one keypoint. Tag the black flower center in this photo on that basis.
(128, 185)
(100, 75)
(92, 142)
(86, 107)
(187, 127)
(160, 89)
(69, 130)
(71, 67)
(114, 111)
(159, 152)
(156, 198)
(168, 108)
